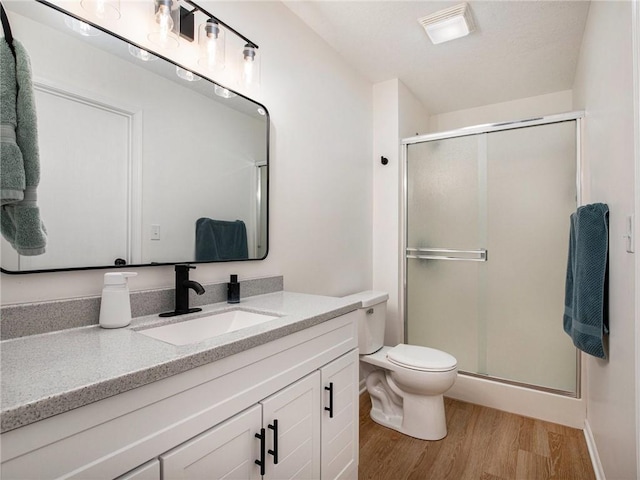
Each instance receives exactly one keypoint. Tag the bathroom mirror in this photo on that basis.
(135, 158)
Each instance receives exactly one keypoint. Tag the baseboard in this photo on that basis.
(593, 451)
(519, 400)
(362, 387)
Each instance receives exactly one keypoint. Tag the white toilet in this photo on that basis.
(407, 382)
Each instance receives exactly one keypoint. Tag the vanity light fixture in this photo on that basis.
(250, 66)
(81, 27)
(212, 45)
(105, 9)
(223, 92)
(165, 18)
(448, 24)
(187, 75)
(142, 54)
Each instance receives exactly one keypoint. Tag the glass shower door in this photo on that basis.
(444, 212)
(510, 192)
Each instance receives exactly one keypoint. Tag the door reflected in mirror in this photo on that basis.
(132, 156)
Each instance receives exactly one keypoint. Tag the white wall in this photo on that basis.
(604, 88)
(520, 109)
(321, 175)
(397, 114)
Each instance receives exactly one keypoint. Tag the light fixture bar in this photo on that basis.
(228, 27)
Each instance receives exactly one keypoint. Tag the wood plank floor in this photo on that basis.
(482, 444)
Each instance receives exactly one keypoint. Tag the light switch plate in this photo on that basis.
(630, 233)
(155, 232)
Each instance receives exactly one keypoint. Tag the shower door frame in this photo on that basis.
(576, 116)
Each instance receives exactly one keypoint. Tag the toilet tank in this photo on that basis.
(371, 320)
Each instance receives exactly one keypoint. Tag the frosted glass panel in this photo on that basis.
(531, 191)
(443, 212)
(442, 311)
(443, 194)
(510, 192)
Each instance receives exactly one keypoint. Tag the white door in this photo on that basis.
(85, 163)
(340, 418)
(227, 451)
(292, 423)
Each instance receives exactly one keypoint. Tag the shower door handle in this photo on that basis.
(447, 254)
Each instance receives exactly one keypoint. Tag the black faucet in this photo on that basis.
(183, 284)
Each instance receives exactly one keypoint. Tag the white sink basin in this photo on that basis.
(202, 328)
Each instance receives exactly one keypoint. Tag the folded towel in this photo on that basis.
(585, 313)
(20, 159)
(220, 240)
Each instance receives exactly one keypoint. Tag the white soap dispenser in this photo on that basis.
(115, 307)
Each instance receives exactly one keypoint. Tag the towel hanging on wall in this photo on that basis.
(19, 154)
(585, 307)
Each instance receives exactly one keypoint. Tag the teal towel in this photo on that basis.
(218, 240)
(585, 312)
(20, 158)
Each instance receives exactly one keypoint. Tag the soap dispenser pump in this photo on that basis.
(115, 307)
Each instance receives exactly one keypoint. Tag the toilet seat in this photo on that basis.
(424, 359)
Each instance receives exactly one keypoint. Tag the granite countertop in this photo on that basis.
(44, 375)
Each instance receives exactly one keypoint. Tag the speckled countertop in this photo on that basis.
(44, 375)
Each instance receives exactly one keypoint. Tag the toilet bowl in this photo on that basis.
(406, 382)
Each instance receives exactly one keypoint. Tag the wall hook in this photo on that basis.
(384, 160)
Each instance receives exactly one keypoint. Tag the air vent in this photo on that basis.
(448, 24)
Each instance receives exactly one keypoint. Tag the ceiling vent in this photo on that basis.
(448, 24)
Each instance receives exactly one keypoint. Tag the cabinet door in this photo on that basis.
(296, 439)
(228, 451)
(340, 418)
(148, 471)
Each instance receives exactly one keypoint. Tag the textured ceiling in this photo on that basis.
(519, 48)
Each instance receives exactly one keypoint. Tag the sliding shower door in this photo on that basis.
(487, 222)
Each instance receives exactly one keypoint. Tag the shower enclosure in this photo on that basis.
(486, 227)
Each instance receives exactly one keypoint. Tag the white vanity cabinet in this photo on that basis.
(308, 430)
(298, 391)
(282, 433)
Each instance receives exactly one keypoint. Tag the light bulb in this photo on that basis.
(212, 50)
(211, 39)
(163, 18)
(164, 36)
(248, 65)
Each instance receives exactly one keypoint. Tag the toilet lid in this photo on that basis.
(421, 358)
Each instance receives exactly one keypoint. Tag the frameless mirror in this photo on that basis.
(139, 166)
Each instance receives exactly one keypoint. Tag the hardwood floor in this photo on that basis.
(482, 444)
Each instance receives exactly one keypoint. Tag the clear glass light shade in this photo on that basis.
(187, 75)
(211, 40)
(105, 9)
(81, 27)
(250, 66)
(166, 22)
